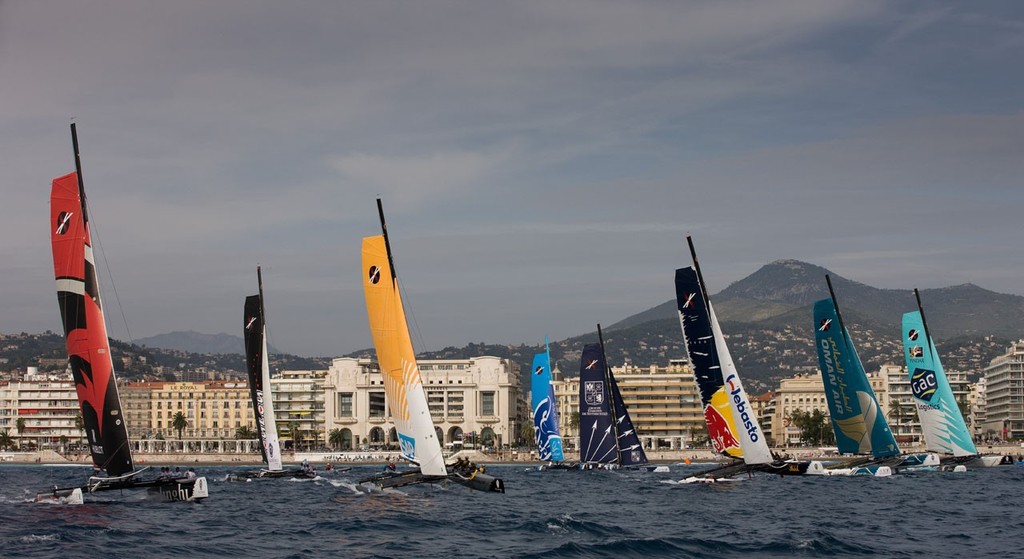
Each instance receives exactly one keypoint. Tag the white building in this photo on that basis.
(472, 401)
(299, 404)
(48, 410)
(1004, 394)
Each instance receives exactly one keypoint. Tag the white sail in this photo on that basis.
(269, 421)
(748, 430)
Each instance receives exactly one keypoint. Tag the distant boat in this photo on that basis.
(942, 423)
(545, 412)
(732, 424)
(257, 360)
(859, 424)
(89, 355)
(608, 438)
(403, 385)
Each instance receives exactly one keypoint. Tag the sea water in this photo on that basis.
(543, 514)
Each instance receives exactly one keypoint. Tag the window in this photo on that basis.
(376, 404)
(487, 404)
(345, 404)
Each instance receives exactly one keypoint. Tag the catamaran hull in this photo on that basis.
(816, 468)
(479, 482)
(272, 474)
(187, 490)
(786, 468)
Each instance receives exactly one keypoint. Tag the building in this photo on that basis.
(213, 410)
(663, 403)
(299, 408)
(472, 401)
(47, 410)
(764, 410)
(976, 400)
(1004, 394)
(803, 392)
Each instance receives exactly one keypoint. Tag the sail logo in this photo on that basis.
(248, 325)
(593, 392)
(539, 370)
(688, 303)
(62, 222)
(408, 445)
(916, 351)
(923, 383)
(742, 407)
(374, 275)
(591, 365)
(912, 335)
(826, 323)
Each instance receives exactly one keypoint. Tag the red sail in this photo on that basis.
(85, 329)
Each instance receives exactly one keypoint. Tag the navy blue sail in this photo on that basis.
(631, 452)
(597, 436)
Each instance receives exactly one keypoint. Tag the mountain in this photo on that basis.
(196, 342)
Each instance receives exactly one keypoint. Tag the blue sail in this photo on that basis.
(597, 436)
(857, 420)
(631, 452)
(545, 413)
(942, 423)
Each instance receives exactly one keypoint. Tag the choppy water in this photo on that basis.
(544, 514)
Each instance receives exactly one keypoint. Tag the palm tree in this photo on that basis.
(335, 439)
(179, 423)
(244, 432)
(6, 440)
(19, 424)
(897, 414)
(294, 434)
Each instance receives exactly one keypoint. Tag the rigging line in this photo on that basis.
(407, 304)
(94, 230)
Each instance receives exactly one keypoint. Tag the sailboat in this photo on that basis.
(732, 425)
(942, 423)
(608, 438)
(857, 419)
(403, 386)
(89, 355)
(257, 360)
(545, 413)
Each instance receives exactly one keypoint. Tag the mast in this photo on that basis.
(700, 276)
(78, 171)
(611, 398)
(927, 334)
(387, 243)
(835, 304)
(263, 312)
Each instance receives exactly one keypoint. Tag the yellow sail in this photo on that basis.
(403, 387)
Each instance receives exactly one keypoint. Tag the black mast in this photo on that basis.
(835, 305)
(927, 335)
(608, 379)
(78, 172)
(700, 276)
(263, 312)
(387, 243)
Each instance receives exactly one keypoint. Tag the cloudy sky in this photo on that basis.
(540, 162)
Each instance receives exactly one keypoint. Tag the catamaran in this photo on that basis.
(608, 438)
(403, 386)
(732, 425)
(857, 420)
(257, 361)
(89, 355)
(545, 413)
(942, 423)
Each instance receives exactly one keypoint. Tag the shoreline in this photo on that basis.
(52, 458)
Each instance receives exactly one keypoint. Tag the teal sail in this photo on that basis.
(545, 412)
(942, 424)
(857, 420)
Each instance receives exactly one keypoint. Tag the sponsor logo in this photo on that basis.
(248, 325)
(539, 370)
(62, 222)
(408, 445)
(593, 392)
(634, 456)
(923, 383)
(374, 274)
(912, 335)
(721, 436)
(917, 351)
(591, 365)
(826, 323)
(261, 421)
(743, 407)
(688, 303)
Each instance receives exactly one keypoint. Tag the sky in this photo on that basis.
(540, 162)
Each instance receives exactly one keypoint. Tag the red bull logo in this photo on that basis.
(721, 436)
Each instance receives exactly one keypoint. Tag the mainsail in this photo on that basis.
(403, 386)
(727, 410)
(258, 364)
(545, 412)
(597, 437)
(942, 424)
(857, 420)
(84, 327)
